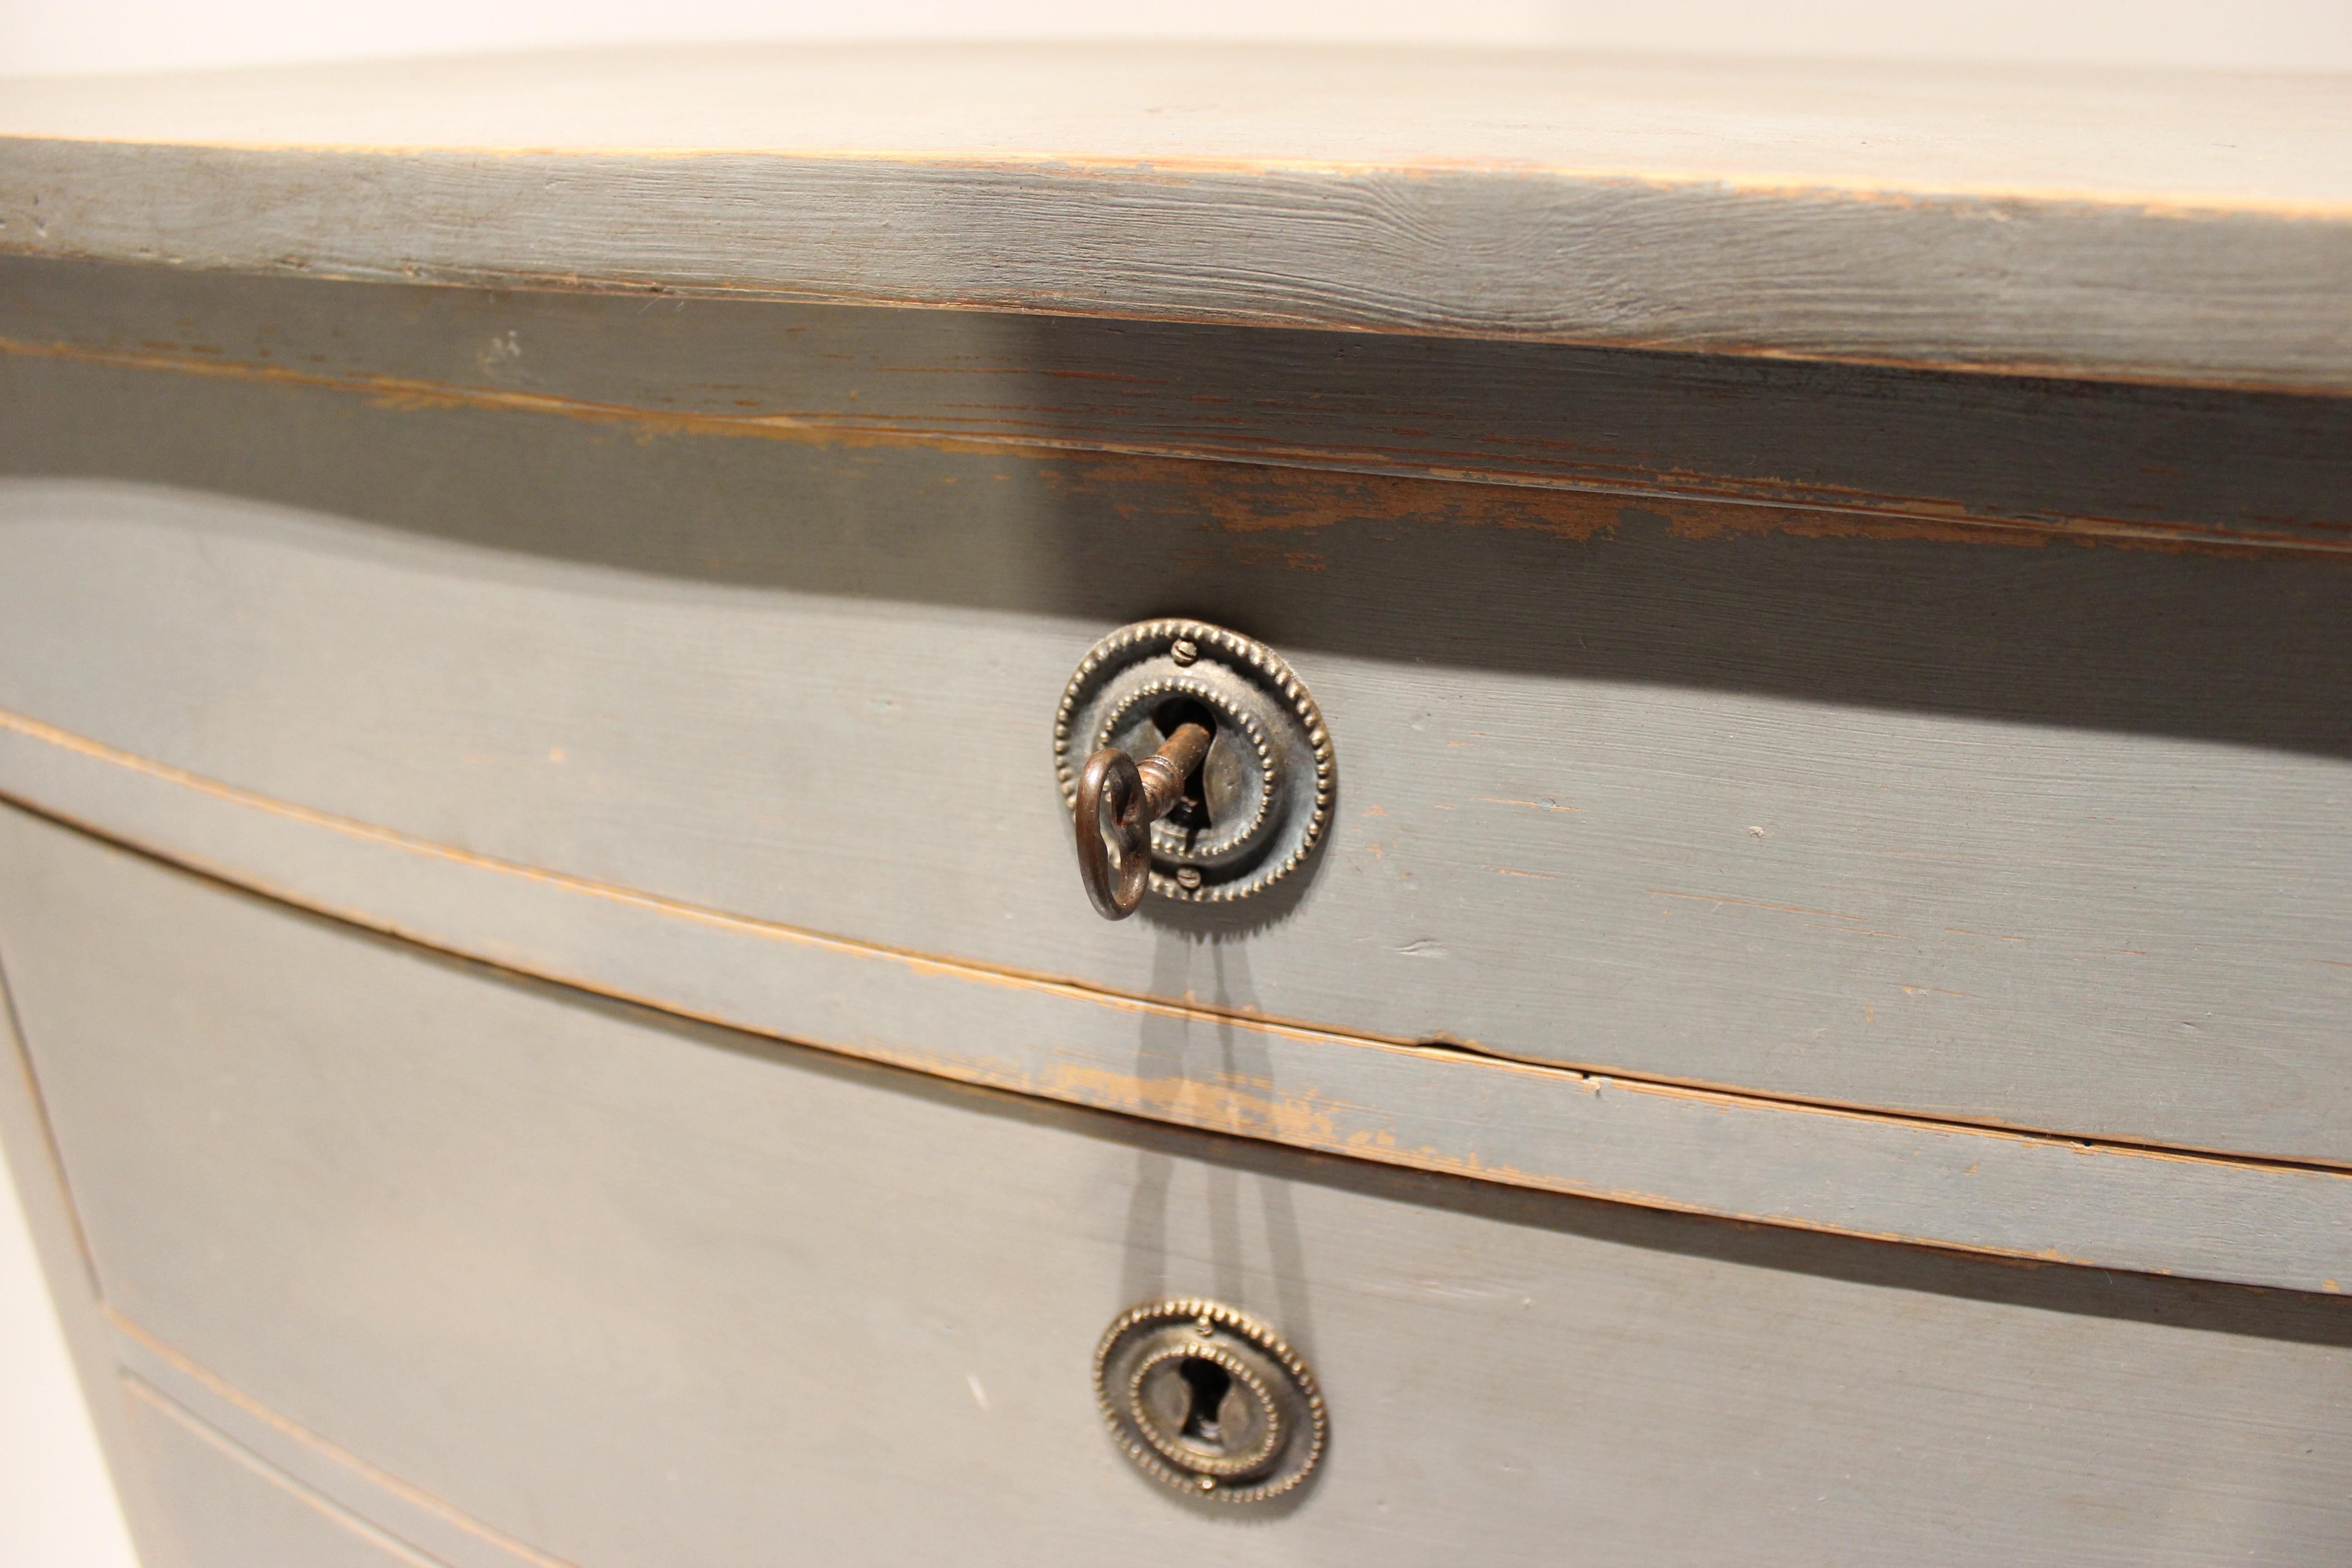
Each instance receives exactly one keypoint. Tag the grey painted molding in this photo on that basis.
(1855, 1173)
(1820, 445)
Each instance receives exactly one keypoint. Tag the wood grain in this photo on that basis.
(638, 1292)
(1838, 446)
(2167, 228)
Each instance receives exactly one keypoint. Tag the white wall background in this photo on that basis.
(56, 1509)
(65, 35)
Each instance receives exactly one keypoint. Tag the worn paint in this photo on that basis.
(1275, 488)
(966, 970)
(1244, 1103)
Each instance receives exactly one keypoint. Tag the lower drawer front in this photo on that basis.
(637, 1292)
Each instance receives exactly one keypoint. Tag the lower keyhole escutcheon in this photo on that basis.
(1209, 1400)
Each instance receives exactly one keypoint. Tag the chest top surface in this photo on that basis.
(2171, 228)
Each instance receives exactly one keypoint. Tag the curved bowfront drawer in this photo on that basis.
(415, 1250)
(1805, 803)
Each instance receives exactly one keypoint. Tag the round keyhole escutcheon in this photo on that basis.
(1264, 793)
(1207, 1399)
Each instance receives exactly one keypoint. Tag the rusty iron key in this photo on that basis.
(1119, 800)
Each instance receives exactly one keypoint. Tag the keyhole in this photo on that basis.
(1210, 1384)
(1191, 811)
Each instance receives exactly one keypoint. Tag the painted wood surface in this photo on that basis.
(1964, 827)
(1645, 1143)
(619, 648)
(2160, 227)
(636, 1291)
(227, 1508)
(38, 1179)
(64, 1264)
(1853, 447)
(308, 1472)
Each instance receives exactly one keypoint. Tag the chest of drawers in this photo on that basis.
(558, 1021)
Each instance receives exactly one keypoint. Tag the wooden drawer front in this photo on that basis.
(2027, 836)
(632, 1291)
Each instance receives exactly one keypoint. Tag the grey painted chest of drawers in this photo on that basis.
(554, 1019)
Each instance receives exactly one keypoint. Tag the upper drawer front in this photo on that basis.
(640, 1294)
(2035, 836)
